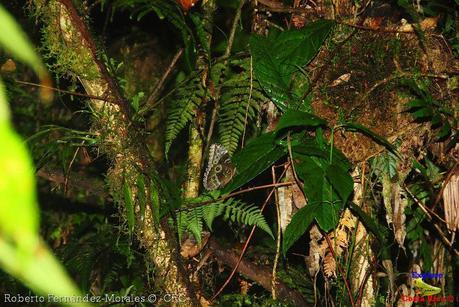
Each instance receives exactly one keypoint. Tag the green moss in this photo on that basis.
(65, 56)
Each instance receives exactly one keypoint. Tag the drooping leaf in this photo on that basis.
(374, 136)
(295, 118)
(417, 103)
(298, 225)
(423, 113)
(258, 155)
(444, 131)
(18, 207)
(22, 253)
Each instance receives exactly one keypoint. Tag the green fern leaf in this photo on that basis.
(194, 225)
(183, 108)
(240, 99)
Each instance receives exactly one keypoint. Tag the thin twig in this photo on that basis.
(429, 212)
(435, 225)
(278, 241)
(289, 146)
(69, 167)
(383, 30)
(246, 244)
(151, 98)
(394, 77)
(209, 202)
(65, 92)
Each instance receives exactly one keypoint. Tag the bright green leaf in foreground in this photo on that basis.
(13, 39)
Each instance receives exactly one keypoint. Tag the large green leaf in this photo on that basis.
(326, 182)
(298, 225)
(258, 155)
(295, 118)
(18, 208)
(277, 57)
(22, 253)
(341, 181)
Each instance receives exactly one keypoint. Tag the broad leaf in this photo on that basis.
(298, 225)
(326, 182)
(257, 156)
(340, 180)
(294, 118)
(279, 55)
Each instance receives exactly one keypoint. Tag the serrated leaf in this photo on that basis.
(279, 55)
(129, 203)
(258, 155)
(298, 225)
(210, 213)
(194, 223)
(295, 118)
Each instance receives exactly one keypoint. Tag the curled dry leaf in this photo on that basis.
(190, 248)
(451, 202)
(341, 79)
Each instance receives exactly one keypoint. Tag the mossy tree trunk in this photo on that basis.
(68, 40)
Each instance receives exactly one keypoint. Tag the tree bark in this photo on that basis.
(68, 38)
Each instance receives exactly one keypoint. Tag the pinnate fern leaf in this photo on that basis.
(183, 108)
(240, 99)
(230, 210)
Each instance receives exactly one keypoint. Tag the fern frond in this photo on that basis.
(194, 225)
(241, 213)
(182, 110)
(240, 101)
(231, 210)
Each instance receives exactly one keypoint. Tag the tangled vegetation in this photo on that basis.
(233, 153)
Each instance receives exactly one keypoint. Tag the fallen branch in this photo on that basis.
(258, 274)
